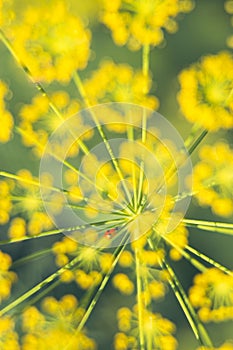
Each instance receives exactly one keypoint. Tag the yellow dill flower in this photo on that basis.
(38, 121)
(206, 95)
(52, 47)
(8, 335)
(142, 22)
(119, 82)
(7, 277)
(212, 295)
(21, 198)
(6, 119)
(58, 321)
(157, 330)
(213, 178)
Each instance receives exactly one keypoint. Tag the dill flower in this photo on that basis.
(38, 121)
(213, 178)
(212, 295)
(6, 118)
(141, 22)
(8, 335)
(158, 331)
(21, 201)
(205, 95)
(121, 83)
(57, 321)
(52, 47)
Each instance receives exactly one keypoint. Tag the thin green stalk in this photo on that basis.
(30, 257)
(209, 260)
(139, 299)
(130, 135)
(62, 230)
(197, 141)
(105, 280)
(213, 226)
(196, 325)
(145, 71)
(187, 256)
(38, 287)
(83, 94)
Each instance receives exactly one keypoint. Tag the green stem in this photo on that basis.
(209, 260)
(197, 327)
(38, 287)
(30, 257)
(80, 87)
(212, 226)
(105, 280)
(139, 300)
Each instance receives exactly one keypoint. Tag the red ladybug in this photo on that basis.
(110, 233)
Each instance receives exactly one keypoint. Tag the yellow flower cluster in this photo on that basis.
(6, 119)
(54, 46)
(7, 278)
(157, 331)
(213, 178)
(8, 336)
(38, 121)
(142, 22)
(58, 322)
(212, 295)
(206, 94)
(121, 83)
(90, 264)
(22, 197)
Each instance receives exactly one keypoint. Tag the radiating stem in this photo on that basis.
(197, 327)
(139, 299)
(38, 287)
(82, 91)
(30, 257)
(145, 71)
(209, 260)
(212, 226)
(105, 280)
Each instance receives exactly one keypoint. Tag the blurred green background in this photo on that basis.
(203, 31)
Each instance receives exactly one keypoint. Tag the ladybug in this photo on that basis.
(110, 233)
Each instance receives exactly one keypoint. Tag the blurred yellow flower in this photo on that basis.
(120, 83)
(206, 93)
(142, 22)
(212, 295)
(51, 41)
(213, 178)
